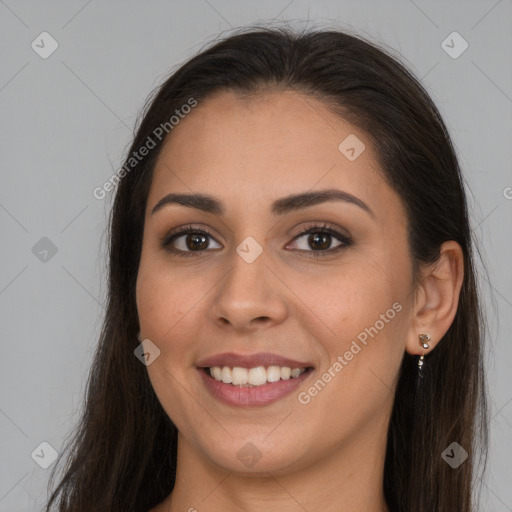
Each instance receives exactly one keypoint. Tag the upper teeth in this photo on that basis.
(253, 376)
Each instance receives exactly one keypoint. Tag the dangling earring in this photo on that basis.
(423, 338)
(139, 338)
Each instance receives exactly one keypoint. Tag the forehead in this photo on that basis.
(266, 145)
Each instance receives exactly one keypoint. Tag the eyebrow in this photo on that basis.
(281, 206)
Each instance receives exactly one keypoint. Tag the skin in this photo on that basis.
(327, 454)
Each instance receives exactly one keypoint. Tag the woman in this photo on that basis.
(293, 321)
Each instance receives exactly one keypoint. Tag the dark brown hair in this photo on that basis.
(122, 456)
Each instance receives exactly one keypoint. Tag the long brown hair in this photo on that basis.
(122, 456)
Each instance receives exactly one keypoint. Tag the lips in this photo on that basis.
(244, 396)
(251, 360)
(247, 395)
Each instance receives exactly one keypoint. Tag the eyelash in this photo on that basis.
(311, 228)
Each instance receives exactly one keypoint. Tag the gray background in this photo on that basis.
(67, 121)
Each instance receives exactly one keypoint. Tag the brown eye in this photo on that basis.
(196, 241)
(192, 241)
(319, 240)
(186, 242)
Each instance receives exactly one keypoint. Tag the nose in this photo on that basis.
(249, 296)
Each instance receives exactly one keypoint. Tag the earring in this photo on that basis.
(139, 336)
(423, 338)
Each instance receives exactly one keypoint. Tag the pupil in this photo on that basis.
(319, 238)
(197, 243)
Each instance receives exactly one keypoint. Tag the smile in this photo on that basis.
(245, 394)
(257, 376)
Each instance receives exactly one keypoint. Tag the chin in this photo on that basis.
(253, 457)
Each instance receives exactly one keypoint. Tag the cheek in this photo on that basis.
(160, 306)
(352, 295)
(162, 299)
(363, 308)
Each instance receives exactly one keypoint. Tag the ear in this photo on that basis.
(437, 298)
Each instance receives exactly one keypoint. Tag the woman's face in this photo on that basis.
(257, 292)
